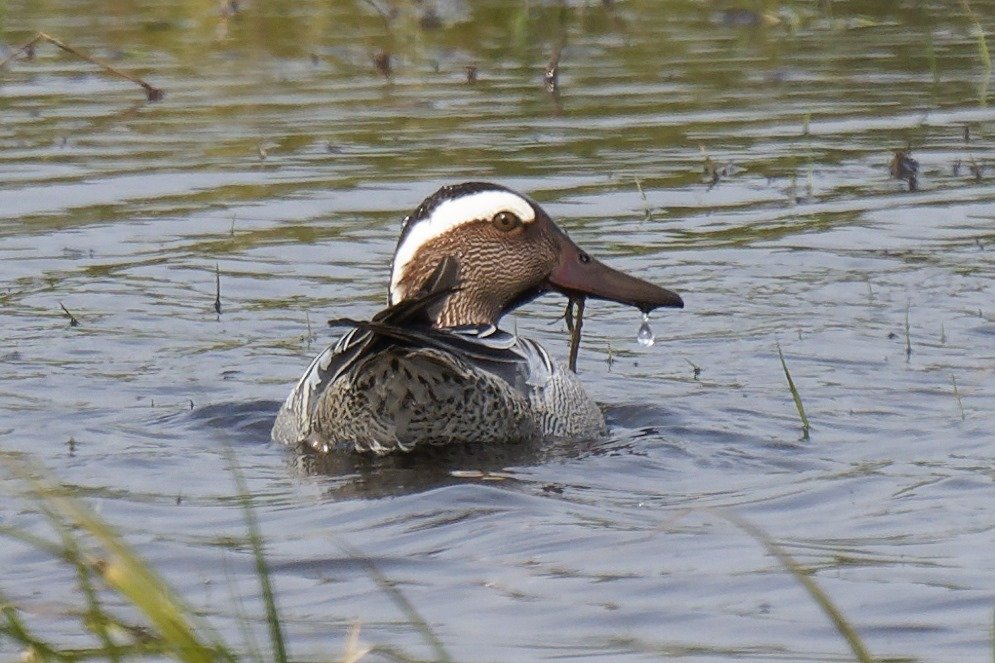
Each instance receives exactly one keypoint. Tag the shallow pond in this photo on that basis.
(741, 159)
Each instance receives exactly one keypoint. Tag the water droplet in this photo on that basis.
(645, 335)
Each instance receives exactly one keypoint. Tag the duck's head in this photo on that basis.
(508, 252)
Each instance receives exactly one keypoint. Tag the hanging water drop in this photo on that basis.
(645, 335)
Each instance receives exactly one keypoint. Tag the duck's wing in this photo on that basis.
(519, 362)
(408, 324)
(413, 315)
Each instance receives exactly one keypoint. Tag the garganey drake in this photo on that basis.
(433, 368)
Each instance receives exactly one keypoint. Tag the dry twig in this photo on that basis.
(151, 93)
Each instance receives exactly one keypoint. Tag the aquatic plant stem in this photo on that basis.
(647, 212)
(73, 322)
(574, 326)
(217, 288)
(794, 393)
(908, 335)
(960, 404)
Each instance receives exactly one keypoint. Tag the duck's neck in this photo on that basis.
(467, 308)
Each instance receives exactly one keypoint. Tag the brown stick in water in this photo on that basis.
(152, 93)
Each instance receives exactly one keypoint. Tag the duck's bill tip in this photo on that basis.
(668, 299)
(581, 275)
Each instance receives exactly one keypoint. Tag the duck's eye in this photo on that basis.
(506, 221)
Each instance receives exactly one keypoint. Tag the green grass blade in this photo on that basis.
(245, 628)
(17, 631)
(262, 570)
(95, 618)
(803, 576)
(983, 53)
(403, 604)
(794, 392)
(124, 570)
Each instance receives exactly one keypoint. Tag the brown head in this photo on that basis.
(509, 251)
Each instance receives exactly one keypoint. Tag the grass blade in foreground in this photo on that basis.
(124, 571)
(402, 602)
(803, 576)
(256, 541)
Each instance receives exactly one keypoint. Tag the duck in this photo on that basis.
(434, 367)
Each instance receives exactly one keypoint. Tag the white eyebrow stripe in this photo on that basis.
(452, 214)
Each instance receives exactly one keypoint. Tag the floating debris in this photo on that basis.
(381, 60)
(430, 20)
(551, 77)
(743, 18)
(471, 73)
(904, 167)
(713, 172)
(977, 170)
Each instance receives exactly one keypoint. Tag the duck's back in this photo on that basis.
(478, 385)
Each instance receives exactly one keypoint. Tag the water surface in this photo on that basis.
(283, 159)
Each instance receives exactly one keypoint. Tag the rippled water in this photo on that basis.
(281, 158)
